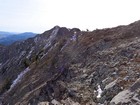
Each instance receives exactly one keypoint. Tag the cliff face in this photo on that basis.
(72, 67)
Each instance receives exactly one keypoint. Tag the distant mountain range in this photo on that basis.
(7, 38)
(5, 34)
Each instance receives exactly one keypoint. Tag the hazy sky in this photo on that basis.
(41, 15)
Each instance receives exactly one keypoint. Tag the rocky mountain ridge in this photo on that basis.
(72, 67)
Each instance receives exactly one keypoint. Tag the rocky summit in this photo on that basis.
(65, 66)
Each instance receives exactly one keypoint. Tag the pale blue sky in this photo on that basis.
(41, 15)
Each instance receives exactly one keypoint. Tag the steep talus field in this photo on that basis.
(71, 67)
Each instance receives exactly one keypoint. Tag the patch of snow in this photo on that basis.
(99, 90)
(47, 45)
(65, 45)
(20, 76)
(52, 36)
(30, 52)
(47, 52)
(54, 32)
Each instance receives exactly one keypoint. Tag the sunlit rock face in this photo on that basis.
(71, 67)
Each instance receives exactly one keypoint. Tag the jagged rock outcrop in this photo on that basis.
(72, 67)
